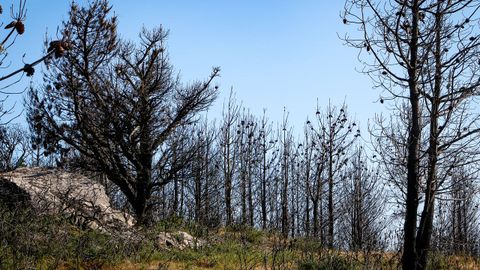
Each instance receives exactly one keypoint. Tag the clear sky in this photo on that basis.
(274, 53)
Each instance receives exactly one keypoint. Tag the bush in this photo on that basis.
(329, 263)
(50, 241)
(253, 236)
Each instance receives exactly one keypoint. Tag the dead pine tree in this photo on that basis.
(335, 134)
(247, 163)
(363, 204)
(118, 103)
(422, 53)
(226, 143)
(285, 138)
(315, 157)
(266, 146)
(306, 148)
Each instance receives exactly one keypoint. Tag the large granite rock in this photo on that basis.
(81, 199)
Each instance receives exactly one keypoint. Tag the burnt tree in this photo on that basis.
(117, 103)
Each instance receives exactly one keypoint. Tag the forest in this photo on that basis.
(110, 114)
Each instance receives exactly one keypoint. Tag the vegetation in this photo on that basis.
(50, 242)
(260, 196)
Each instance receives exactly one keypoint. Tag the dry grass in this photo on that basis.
(231, 260)
(58, 245)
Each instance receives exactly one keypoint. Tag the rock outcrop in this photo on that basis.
(81, 199)
(52, 191)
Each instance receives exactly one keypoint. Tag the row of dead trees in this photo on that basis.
(327, 184)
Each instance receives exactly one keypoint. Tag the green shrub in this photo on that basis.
(253, 236)
(329, 263)
(438, 262)
(48, 241)
(170, 224)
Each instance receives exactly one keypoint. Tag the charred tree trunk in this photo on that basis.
(331, 220)
(410, 256)
(425, 228)
(263, 194)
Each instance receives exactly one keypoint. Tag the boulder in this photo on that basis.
(82, 200)
(54, 191)
(179, 240)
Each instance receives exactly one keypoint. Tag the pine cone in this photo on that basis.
(59, 47)
(59, 52)
(20, 27)
(54, 45)
(67, 46)
(29, 70)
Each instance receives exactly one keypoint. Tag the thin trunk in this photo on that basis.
(424, 233)
(175, 196)
(206, 194)
(285, 191)
(330, 193)
(320, 221)
(307, 199)
(175, 187)
(307, 216)
(315, 218)
(182, 197)
(228, 179)
(250, 198)
(243, 193)
(264, 188)
(198, 193)
(285, 204)
(292, 210)
(297, 204)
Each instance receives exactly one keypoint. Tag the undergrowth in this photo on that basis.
(32, 241)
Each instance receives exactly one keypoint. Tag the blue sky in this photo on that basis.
(274, 54)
